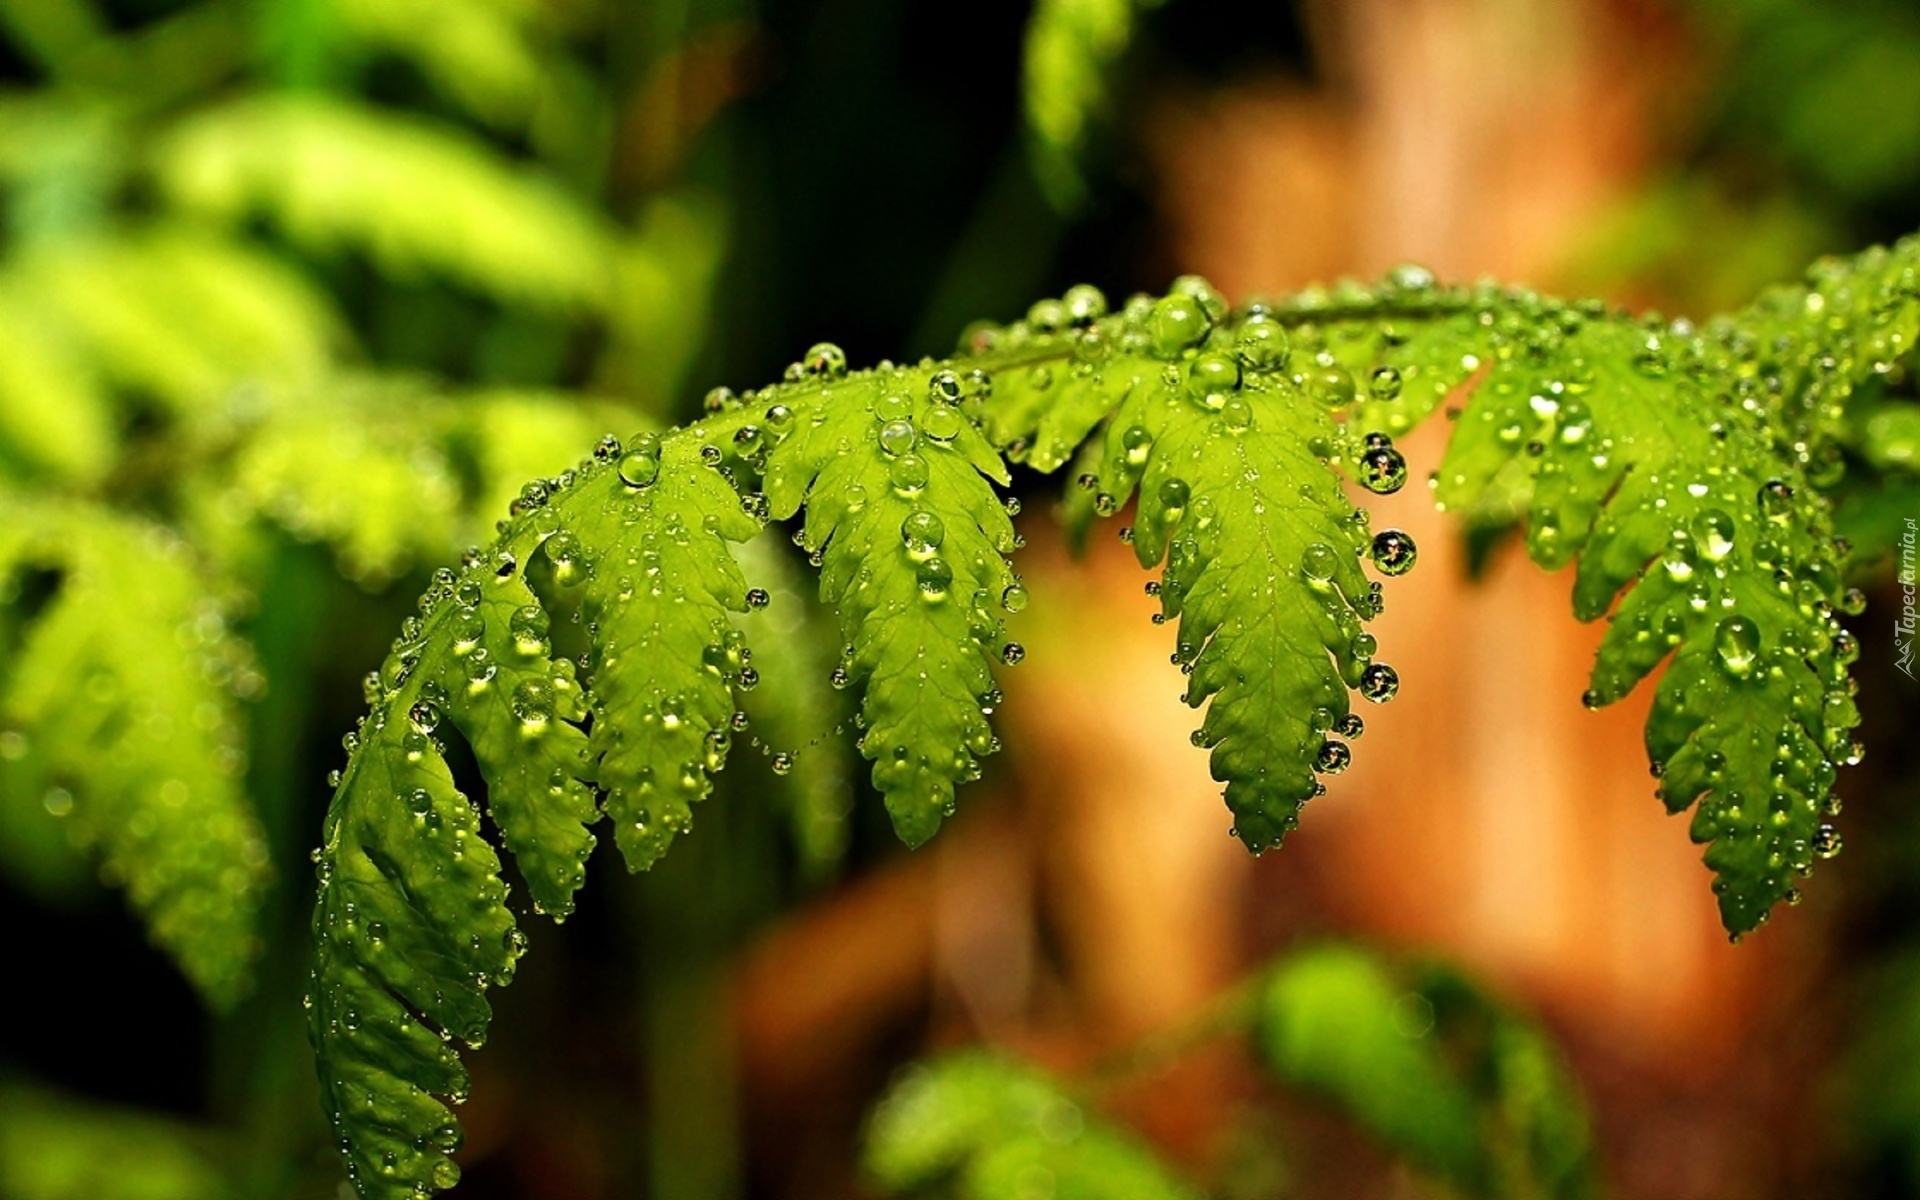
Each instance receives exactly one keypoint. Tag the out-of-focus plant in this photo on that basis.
(1439, 1074)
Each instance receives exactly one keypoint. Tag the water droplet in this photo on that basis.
(1177, 324)
(1382, 470)
(944, 387)
(640, 466)
(1014, 598)
(1174, 494)
(1713, 533)
(1084, 304)
(1737, 641)
(1212, 375)
(909, 474)
(934, 577)
(1335, 385)
(757, 598)
(1384, 383)
(1826, 842)
(825, 359)
(898, 436)
(528, 626)
(942, 423)
(532, 703)
(1379, 682)
(1333, 757)
(1318, 562)
(1776, 500)
(1012, 653)
(1393, 552)
(1262, 344)
(921, 533)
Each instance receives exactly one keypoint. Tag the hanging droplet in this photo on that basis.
(782, 763)
(1333, 757)
(757, 598)
(1384, 384)
(1393, 552)
(1379, 682)
(1826, 842)
(1014, 597)
(1012, 653)
(1383, 471)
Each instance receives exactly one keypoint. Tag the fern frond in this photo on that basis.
(411, 920)
(118, 717)
(981, 1127)
(416, 197)
(1655, 456)
(902, 516)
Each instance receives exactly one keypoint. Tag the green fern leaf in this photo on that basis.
(982, 1127)
(665, 656)
(1229, 455)
(411, 921)
(118, 716)
(901, 512)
